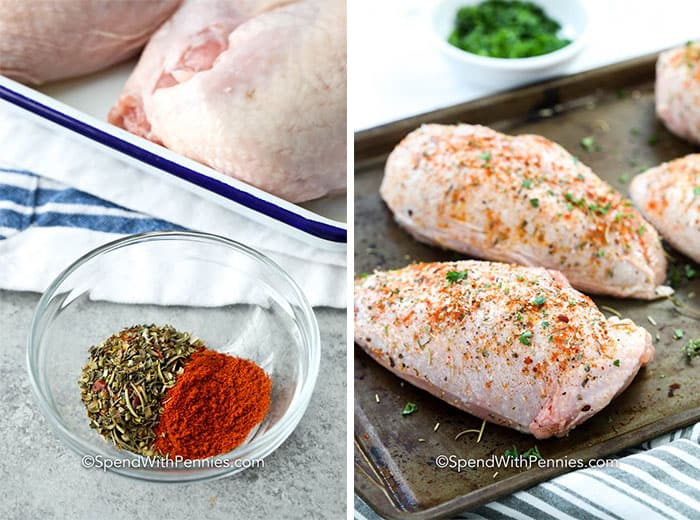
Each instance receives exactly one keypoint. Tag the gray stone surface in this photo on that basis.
(42, 478)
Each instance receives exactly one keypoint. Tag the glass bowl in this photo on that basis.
(230, 296)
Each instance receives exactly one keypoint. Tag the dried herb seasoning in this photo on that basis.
(126, 378)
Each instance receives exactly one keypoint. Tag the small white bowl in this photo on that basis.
(572, 15)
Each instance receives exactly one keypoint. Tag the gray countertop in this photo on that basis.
(41, 478)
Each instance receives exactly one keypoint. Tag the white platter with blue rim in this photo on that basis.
(81, 106)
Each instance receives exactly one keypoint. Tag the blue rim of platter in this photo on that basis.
(320, 230)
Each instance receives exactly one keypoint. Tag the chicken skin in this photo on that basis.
(47, 40)
(514, 345)
(253, 88)
(524, 200)
(677, 91)
(669, 197)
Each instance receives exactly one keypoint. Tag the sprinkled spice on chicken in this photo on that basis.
(521, 199)
(678, 90)
(514, 345)
(669, 197)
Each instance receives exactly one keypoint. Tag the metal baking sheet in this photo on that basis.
(395, 471)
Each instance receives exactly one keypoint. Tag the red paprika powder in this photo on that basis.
(215, 403)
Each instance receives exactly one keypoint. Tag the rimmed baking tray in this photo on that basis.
(73, 105)
(395, 455)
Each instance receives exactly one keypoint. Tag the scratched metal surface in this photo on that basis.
(394, 471)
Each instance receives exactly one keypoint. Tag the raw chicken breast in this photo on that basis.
(517, 346)
(678, 91)
(524, 200)
(46, 40)
(669, 197)
(253, 88)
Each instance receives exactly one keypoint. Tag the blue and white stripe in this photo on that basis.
(28, 200)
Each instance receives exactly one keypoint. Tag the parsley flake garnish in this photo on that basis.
(588, 143)
(526, 338)
(409, 409)
(539, 301)
(456, 276)
(692, 349)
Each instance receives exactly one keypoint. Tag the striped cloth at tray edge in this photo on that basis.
(645, 486)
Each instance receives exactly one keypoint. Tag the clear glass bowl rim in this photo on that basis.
(261, 446)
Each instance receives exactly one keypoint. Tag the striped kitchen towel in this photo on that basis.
(46, 225)
(45, 234)
(27, 200)
(660, 479)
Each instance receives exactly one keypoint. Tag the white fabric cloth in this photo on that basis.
(30, 259)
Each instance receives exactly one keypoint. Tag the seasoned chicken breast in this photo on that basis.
(517, 346)
(524, 200)
(669, 197)
(678, 91)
